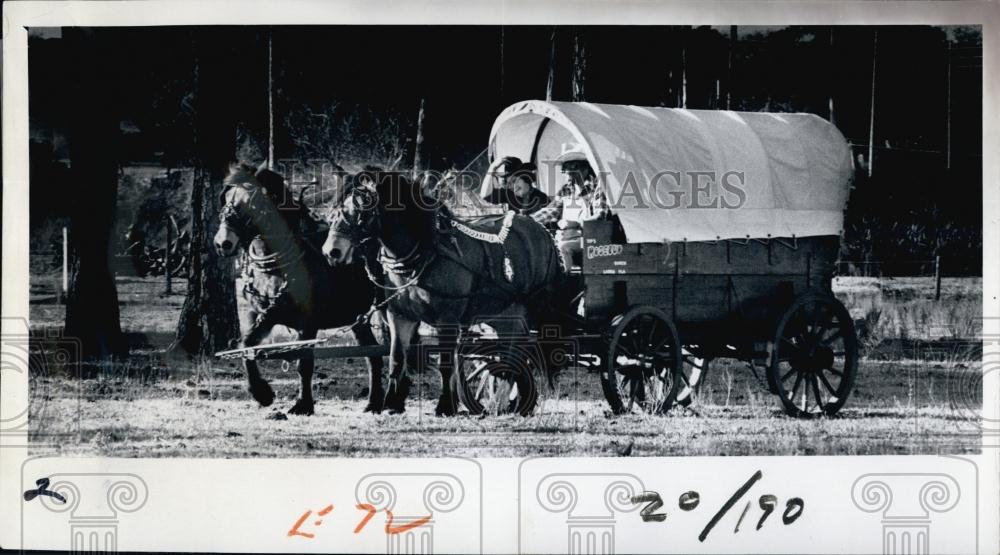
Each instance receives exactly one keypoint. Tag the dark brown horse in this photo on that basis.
(438, 270)
(286, 279)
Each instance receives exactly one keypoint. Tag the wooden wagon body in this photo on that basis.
(728, 291)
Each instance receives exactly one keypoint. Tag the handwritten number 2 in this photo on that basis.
(653, 502)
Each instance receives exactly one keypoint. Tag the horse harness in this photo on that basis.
(274, 263)
(412, 265)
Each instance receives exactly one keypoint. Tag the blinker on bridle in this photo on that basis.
(355, 231)
(232, 218)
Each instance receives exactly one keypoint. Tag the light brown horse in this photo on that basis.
(440, 271)
(286, 279)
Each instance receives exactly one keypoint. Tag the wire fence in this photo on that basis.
(50, 280)
(892, 268)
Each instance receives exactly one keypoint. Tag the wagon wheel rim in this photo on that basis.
(814, 358)
(642, 361)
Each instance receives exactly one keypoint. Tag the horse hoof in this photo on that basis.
(302, 407)
(374, 407)
(262, 393)
(444, 410)
(396, 411)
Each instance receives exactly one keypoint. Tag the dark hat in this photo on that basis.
(510, 165)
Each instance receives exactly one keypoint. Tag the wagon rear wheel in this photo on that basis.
(642, 370)
(490, 384)
(814, 358)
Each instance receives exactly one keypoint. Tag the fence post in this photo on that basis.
(937, 278)
(65, 265)
(166, 257)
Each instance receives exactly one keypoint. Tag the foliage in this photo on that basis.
(351, 135)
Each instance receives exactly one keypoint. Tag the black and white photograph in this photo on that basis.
(500, 277)
(506, 240)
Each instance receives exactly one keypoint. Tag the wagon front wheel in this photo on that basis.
(641, 372)
(814, 358)
(488, 383)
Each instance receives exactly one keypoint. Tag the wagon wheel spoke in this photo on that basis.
(837, 332)
(482, 385)
(795, 386)
(788, 374)
(826, 383)
(815, 388)
(823, 322)
(652, 331)
(476, 372)
(791, 345)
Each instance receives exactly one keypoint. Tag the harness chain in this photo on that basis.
(499, 238)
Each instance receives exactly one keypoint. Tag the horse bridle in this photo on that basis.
(233, 218)
(363, 229)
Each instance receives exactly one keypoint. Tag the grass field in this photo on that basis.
(918, 391)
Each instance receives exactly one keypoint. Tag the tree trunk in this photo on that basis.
(684, 80)
(208, 320)
(834, 73)
(579, 66)
(552, 66)
(270, 99)
(731, 79)
(947, 110)
(418, 145)
(92, 316)
(871, 120)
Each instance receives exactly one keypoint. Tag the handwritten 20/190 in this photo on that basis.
(690, 500)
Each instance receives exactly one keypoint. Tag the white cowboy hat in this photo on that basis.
(571, 152)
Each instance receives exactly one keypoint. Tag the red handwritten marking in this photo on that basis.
(390, 529)
(371, 512)
(295, 528)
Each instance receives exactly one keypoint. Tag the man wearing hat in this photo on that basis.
(582, 200)
(516, 188)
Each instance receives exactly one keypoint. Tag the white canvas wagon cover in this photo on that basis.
(675, 174)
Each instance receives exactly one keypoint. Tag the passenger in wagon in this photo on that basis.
(516, 188)
(581, 200)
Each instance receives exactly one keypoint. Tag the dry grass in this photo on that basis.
(906, 400)
(896, 408)
(904, 308)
